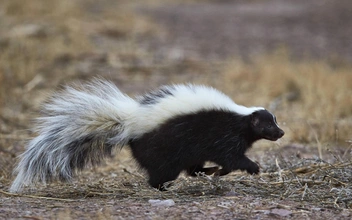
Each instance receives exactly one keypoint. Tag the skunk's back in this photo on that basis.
(169, 102)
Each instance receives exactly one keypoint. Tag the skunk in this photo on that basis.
(173, 129)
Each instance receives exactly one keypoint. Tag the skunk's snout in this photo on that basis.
(277, 134)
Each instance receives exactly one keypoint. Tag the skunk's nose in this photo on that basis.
(281, 133)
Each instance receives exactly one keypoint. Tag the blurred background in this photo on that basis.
(292, 57)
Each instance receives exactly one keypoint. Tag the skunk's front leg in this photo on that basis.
(246, 164)
(242, 163)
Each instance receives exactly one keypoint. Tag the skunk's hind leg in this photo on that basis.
(157, 178)
(193, 170)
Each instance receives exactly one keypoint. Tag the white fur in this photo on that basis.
(99, 110)
(274, 120)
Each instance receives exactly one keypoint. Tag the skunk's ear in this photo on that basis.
(255, 119)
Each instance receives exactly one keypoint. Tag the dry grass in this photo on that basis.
(42, 37)
(312, 98)
(304, 187)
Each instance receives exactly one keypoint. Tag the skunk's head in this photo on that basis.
(264, 125)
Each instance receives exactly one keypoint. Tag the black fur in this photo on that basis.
(186, 142)
(264, 126)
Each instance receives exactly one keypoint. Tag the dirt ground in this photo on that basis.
(293, 57)
(240, 28)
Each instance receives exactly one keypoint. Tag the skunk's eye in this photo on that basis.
(269, 126)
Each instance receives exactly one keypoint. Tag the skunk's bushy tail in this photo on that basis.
(80, 125)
